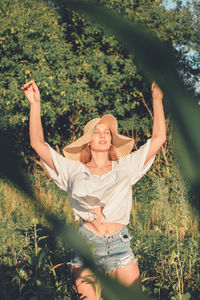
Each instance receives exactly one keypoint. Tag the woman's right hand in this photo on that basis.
(31, 92)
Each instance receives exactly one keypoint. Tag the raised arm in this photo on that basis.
(159, 128)
(37, 142)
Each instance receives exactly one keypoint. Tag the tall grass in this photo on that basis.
(164, 229)
(166, 236)
(31, 266)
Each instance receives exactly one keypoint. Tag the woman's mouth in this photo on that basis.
(102, 142)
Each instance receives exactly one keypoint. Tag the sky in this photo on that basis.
(171, 4)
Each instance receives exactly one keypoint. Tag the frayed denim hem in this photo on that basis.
(111, 251)
(127, 260)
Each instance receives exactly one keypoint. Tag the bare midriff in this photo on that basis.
(102, 228)
(97, 226)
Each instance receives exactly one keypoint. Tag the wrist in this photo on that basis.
(35, 103)
(157, 98)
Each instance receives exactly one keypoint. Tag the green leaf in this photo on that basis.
(42, 237)
(186, 296)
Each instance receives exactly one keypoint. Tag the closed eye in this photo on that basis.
(107, 132)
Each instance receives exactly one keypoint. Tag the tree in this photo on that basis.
(81, 69)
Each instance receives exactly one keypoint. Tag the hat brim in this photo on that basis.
(123, 144)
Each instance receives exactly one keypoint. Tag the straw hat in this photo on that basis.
(123, 145)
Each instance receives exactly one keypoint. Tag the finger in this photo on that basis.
(35, 86)
(31, 82)
(27, 85)
(23, 87)
(153, 85)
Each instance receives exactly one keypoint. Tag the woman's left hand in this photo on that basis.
(156, 91)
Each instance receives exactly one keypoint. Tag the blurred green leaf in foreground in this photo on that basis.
(158, 64)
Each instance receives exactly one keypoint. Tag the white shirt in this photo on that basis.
(112, 191)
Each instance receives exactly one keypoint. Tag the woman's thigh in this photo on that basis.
(87, 287)
(85, 283)
(128, 274)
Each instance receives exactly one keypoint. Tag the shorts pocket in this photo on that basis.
(125, 237)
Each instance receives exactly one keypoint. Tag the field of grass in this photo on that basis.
(163, 225)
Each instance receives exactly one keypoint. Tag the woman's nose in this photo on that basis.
(102, 134)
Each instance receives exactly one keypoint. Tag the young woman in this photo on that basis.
(98, 172)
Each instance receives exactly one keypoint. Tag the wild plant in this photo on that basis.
(166, 241)
(164, 230)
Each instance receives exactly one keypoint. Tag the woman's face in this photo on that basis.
(101, 140)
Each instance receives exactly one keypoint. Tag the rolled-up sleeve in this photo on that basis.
(64, 167)
(134, 163)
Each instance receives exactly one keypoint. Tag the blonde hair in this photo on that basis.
(86, 154)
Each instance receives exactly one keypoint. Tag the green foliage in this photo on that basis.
(166, 24)
(179, 26)
(36, 44)
(81, 69)
(164, 230)
(166, 236)
(30, 48)
(73, 81)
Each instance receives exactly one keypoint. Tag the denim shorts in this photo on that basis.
(110, 251)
